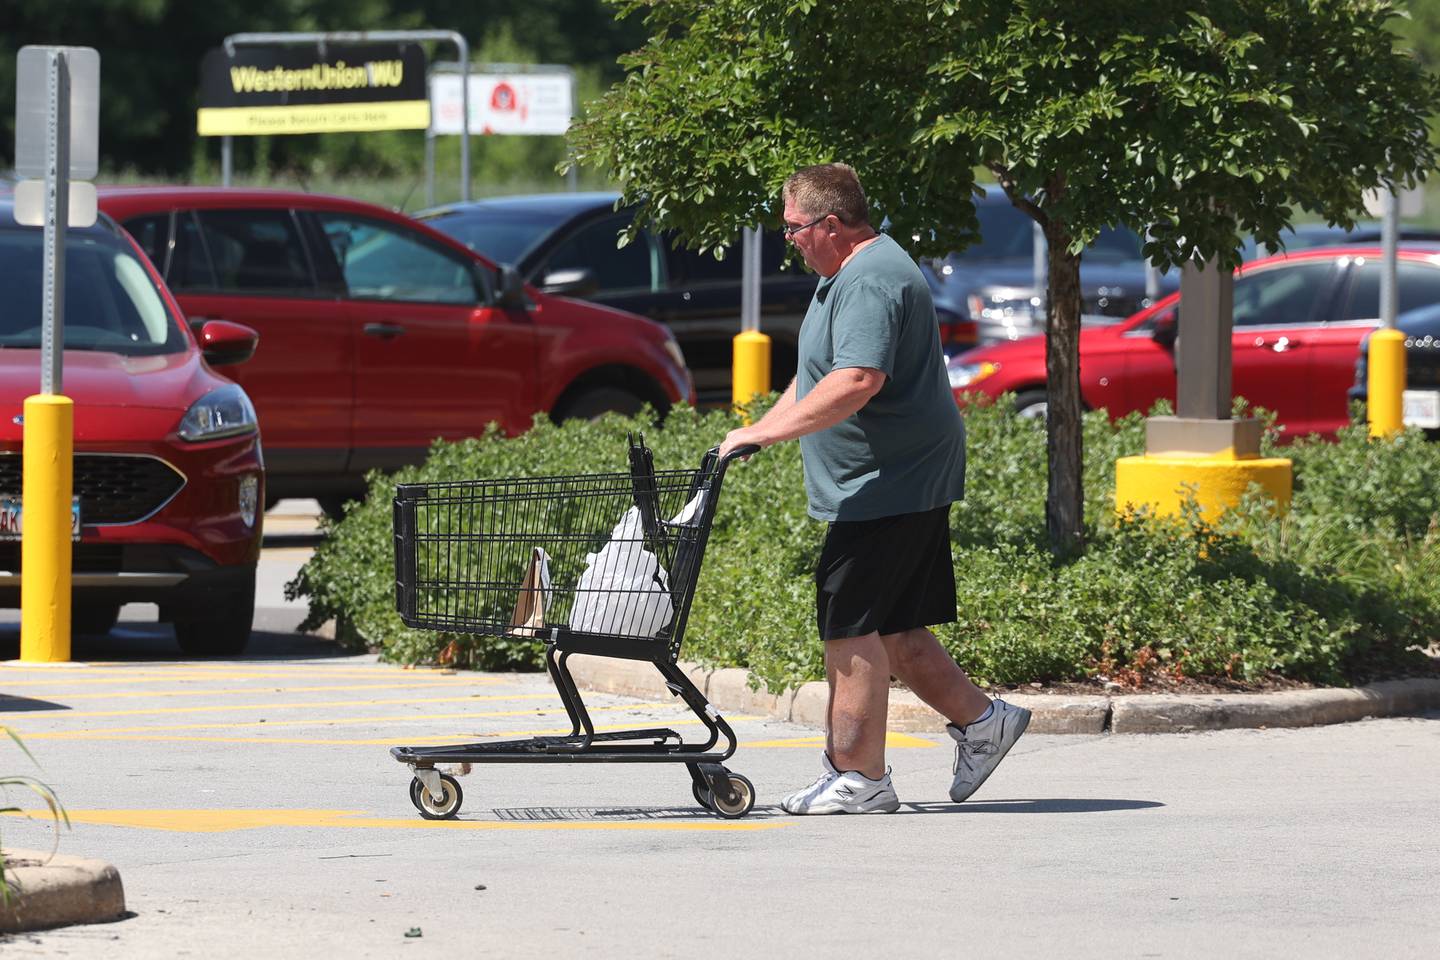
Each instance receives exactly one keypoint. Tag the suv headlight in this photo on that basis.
(964, 374)
(223, 412)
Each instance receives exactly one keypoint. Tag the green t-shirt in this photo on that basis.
(904, 451)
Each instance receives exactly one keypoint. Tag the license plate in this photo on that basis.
(11, 518)
(1421, 408)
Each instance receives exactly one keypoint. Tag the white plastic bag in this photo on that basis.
(623, 589)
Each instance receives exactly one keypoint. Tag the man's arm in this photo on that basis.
(839, 394)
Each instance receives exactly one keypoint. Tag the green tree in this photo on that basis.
(1195, 123)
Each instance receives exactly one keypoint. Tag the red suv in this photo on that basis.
(168, 475)
(379, 334)
(1299, 320)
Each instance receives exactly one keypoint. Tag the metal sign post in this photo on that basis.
(751, 348)
(66, 80)
(1385, 375)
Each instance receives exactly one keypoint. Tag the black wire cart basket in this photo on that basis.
(605, 565)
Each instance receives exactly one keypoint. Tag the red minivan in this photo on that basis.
(379, 335)
(168, 476)
(1298, 323)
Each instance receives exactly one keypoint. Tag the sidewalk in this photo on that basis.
(729, 690)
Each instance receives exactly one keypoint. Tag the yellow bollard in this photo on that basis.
(1386, 382)
(751, 373)
(45, 537)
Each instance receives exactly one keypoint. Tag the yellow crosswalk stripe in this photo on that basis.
(134, 694)
(299, 705)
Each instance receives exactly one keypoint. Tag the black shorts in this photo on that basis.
(886, 575)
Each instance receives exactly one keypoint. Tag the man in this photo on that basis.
(884, 452)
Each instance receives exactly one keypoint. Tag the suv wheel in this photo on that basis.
(597, 401)
(224, 629)
(1032, 404)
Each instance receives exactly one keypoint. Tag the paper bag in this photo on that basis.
(529, 616)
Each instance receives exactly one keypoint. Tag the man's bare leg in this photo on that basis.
(858, 670)
(919, 661)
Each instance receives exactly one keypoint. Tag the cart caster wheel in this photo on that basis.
(702, 795)
(449, 804)
(740, 802)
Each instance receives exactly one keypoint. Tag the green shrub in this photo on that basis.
(1334, 591)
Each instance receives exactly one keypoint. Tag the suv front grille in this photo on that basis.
(84, 557)
(1422, 367)
(118, 488)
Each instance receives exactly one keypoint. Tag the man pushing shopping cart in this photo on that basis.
(884, 451)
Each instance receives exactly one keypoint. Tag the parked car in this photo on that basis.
(566, 243)
(1298, 321)
(992, 282)
(168, 472)
(1308, 236)
(1422, 369)
(379, 334)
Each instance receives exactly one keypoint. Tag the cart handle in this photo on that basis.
(713, 454)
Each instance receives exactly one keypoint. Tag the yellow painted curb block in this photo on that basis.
(1162, 483)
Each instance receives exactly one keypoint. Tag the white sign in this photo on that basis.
(30, 203)
(32, 110)
(505, 103)
(1412, 203)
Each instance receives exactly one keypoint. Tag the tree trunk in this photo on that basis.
(1064, 498)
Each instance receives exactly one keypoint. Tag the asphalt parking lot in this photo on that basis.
(253, 810)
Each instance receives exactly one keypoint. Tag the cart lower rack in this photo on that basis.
(605, 565)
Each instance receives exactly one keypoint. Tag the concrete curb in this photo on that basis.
(729, 690)
(57, 891)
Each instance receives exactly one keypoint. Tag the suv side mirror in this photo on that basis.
(223, 342)
(511, 293)
(571, 283)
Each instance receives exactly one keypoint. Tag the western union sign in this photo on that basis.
(289, 89)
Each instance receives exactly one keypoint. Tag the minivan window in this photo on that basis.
(254, 252)
(381, 261)
(152, 233)
(111, 304)
(1280, 295)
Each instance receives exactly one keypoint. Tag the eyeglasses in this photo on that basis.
(790, 231)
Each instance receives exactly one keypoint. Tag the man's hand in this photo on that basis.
(741, 437)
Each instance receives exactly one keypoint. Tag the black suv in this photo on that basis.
(564, 243)
(1422, 368)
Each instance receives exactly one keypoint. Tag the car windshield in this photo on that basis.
(500, 236)
(111, 304)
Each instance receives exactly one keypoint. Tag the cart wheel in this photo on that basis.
(739, 803)
(449, 804)
(702, 795)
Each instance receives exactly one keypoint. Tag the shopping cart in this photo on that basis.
(603, 565)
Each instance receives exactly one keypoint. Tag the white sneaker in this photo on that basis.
(982, 744)
(847, 792)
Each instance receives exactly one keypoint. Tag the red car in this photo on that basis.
(168, 472)
(1299, 320)
(379, 334)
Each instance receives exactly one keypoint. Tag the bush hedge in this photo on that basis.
(1344, 587)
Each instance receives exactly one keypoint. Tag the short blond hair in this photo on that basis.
(828, 188)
